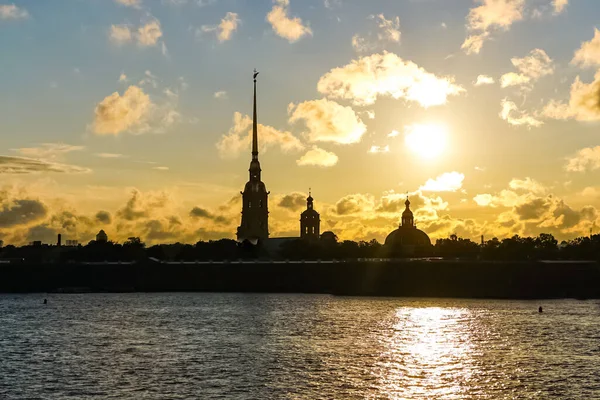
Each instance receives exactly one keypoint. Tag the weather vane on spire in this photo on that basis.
(255, 74)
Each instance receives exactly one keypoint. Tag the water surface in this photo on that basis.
(255, 346)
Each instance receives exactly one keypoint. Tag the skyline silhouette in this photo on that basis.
(129, 123)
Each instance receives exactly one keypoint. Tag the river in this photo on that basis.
(270, 346)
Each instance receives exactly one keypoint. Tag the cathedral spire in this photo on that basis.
(255, 124)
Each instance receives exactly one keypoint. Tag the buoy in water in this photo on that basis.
(45, 301)
(540, 309)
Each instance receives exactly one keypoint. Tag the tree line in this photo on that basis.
(544, 246)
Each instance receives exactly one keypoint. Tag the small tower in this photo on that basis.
(102, 237)
(408, 220)
(310, 221)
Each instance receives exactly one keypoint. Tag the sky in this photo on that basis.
(134, 116)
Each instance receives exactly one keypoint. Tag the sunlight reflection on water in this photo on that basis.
(426, 355)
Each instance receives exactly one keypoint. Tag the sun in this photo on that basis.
(426, 140)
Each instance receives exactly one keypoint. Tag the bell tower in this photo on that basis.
(254, 226)
(310, 221)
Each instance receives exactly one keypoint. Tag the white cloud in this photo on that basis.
(484, 80)
(225, 28)
(288, 28)
(379, 149)
(318, 157)
(11, 11)
(514, 79)
(110, 155)
(148, 35)
(511, 114)
(116, 113)
(328, 121)
(130, 3)
(535, 65)
(239, 138)
(583, 103)
(388, 31)
(48, 151)
(120, 34)
(446, 182)
(490, 16)
(220, 94)
(23, 165)
(587, 159)
(528, 184)
(588, 55)
(559, 5)
(145, 36)
(386, 74)
(531, 68)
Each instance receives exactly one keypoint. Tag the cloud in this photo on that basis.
(120, 34)
(511, 114)
(148, 35)
(145, 35)
(22, 165)
(514, 79)
(474, 43)
(11, 11)
(584, 102)
(386, 74)
(379, 149)
(130, 3)
(587, 159)
(484, 80)
(528, 184)
(531, 68)
(122, 77)
(202, 213)
(293, 201)
(328, 121)
(220, 94)
(490, 16)
(239, 138)
(161, 168)
(318, 157)
(588, 55)
(103, 217)
(116, 113)
(288, 28)
(354, 204)
(559, 5)
(110, 155)
(446, 182)
(21, 212)
(224, 30)
(535, 65)
(388, 31)
(49, 151)
(484, 200)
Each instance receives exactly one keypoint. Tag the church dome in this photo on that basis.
(405, 236)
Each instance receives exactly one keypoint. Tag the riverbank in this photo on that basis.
(414, 278)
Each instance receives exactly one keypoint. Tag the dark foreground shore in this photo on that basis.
(421, 278)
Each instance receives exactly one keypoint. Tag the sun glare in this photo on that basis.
(426, 140)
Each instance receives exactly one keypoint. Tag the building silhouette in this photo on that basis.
(254, 226)
(102, 237)
(407, 239)
(310, 221)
